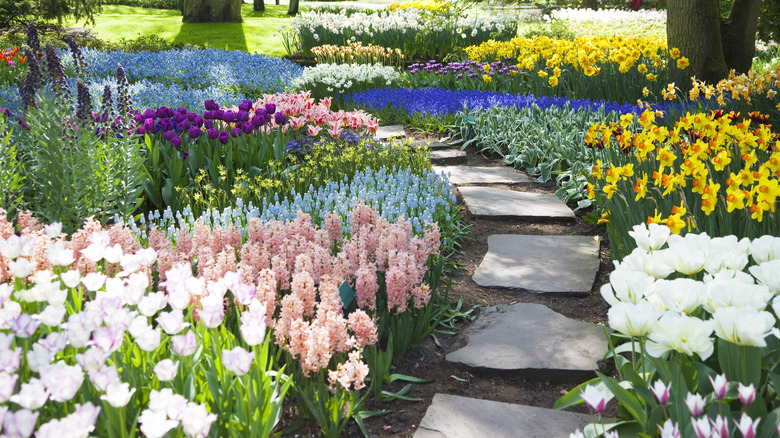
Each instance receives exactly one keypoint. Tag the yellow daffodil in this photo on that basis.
(682, 63)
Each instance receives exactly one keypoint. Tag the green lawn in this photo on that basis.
(255, 34)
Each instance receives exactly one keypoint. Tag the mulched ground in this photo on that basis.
(427, 361)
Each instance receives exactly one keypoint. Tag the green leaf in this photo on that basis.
(574, 397)
(625, 398)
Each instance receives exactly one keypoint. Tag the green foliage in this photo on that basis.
(331, 160)
(155, 4)
(12, 175)
(769, 21)
(148, 43)
(556, 29)
(21, 12)
(73, 174)
(546, 143)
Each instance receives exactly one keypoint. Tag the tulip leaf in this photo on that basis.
(625, 398)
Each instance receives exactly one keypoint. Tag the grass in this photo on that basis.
(256, 34)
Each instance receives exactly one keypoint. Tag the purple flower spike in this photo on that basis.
(223, 137)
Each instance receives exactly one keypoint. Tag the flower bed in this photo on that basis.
(713, 173)
(338, 79)
(699, 321)
(413, 31)
(100, 286)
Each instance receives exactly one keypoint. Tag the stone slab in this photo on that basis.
(447, 156)
(565, 265)
(532, 340)
(452, 416)
(459, 175)
(432, 145)
(501, 203)
(390, 131)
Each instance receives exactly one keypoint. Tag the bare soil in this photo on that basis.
(427, 361)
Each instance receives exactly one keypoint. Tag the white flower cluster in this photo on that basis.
(652, 294)
(590, 22)
(612, 16)
(341, 78)
(384, 21)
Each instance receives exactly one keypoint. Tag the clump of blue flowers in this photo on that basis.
(391, 192)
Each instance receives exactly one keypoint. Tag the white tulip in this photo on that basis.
(743, 325)
(683, 334)
(634, 319)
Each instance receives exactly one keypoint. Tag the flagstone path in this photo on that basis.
(525, 339)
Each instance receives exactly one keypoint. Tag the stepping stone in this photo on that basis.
(447, 156)
(432, 145)
(390, 131)
(500, 203)
(534, 341)
(482, 175)
(452, 416)
(565, 265)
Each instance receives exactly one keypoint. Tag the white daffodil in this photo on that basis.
(634, 319)
(743, 325)
(650, 237)
(681, 295)
(768, 274)
(626, 285)
(683, 334)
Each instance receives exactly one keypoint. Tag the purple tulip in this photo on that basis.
(210, 105)
(223, 137)
(229, 116)
(178, 117)
(208, 124)
(258, 121)
(212, 133)
(176, 141)
(182, 110)
(140, 131)
(166, 125)
(243, 116)
(194, 132)
(139, 118)
(207, 115)
(184, 125)
(261, 112)
(280, 118)
(149, 126)
(236, 132)
(191, 116)
(248, 127)
(150, 114)
(184, 155)
(217, 115)
(246, 105)
(197, 121)
(168, 135)
(270, 108)
(460, 76)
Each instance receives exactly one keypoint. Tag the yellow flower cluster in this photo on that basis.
(583, 53)
(731, 163)
(423, 5)
(741, 87)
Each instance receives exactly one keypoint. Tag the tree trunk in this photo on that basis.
(293, 9)
(693, 26)
(713, 45)
(211, 11)
(259, 5)
(738, 35)
(589, 4)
